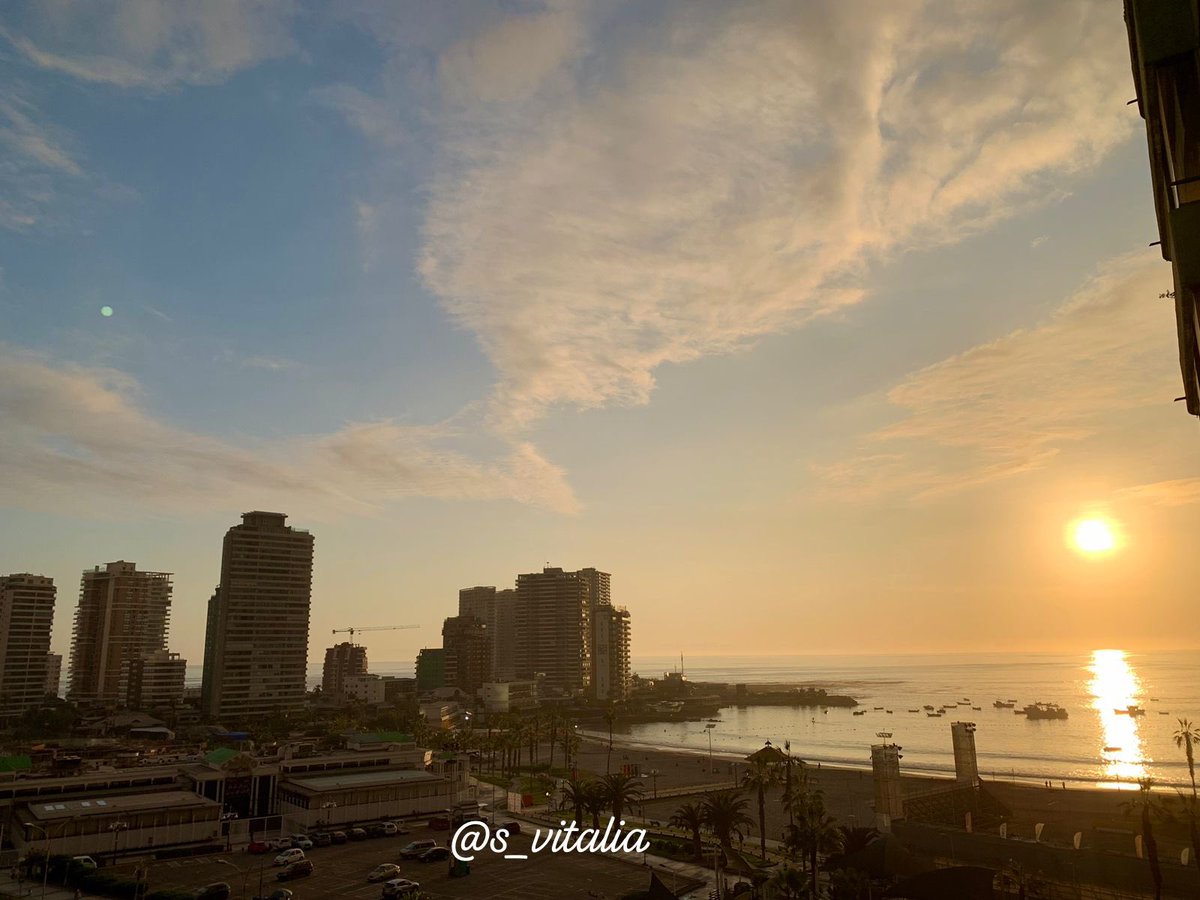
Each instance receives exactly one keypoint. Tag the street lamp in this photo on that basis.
(46, 862)
(116, 828)
(654, 777)
(709, 728)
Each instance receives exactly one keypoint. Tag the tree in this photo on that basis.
(570, 744)
(856, 838)
(1148, 807)
(575, 793)
(725, 816)
(788, 881)
(793, 781)
(760, 777)
(1187, 736)
(620, 789)
(815, 833)
(610, 719)
(595, 800)
(849, 884)
(690, 816)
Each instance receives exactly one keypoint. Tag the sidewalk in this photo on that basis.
(10, 888)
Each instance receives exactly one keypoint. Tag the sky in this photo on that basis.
(817, 325)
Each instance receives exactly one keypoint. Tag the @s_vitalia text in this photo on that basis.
(478, 836)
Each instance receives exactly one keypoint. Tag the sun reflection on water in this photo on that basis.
(1115, 686)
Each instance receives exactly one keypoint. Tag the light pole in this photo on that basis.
(654, 777)
(46, 862)
(709, 728)
(116, 828)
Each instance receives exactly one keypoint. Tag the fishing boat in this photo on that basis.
(877, 708)
(1045, 711)
(1130, 710)
(927, 707)
(859, 712)
(1112, 749)
(977, 708)
(914, 710)
(934, 715)
(1002, 704)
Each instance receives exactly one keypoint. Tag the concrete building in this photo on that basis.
(554, 630)
(468, 653)
(155, 681)
(431, 669)
(54, 674)
(1164, 45)
(889, 797)
(612, 668)
(508, 696)
(364, 688)
(256, 650)
(504, 636)
(342, 661)
(122, 615)
(26, 615)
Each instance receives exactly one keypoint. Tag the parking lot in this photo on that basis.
(341, 871)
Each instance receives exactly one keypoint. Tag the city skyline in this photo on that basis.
(825, 332)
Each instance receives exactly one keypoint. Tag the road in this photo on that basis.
(341, 871)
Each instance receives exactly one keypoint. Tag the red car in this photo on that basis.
(258, 847)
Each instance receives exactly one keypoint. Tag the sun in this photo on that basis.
(1093, 536)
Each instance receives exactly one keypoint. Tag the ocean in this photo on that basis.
(1095, 746)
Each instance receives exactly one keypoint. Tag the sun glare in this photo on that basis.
(1093, 536)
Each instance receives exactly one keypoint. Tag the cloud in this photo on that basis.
(1013, 405)
(154, 44)
(1177, 492)
(34, 162)
(729, 170)
(78, 439)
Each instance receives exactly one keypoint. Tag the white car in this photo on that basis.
(287, 857)
(383, 872)
(401, 887)
(302, 841)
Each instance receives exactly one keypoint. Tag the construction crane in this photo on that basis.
(373, 628)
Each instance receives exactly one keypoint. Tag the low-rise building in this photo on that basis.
(509, 696)
(363, 688)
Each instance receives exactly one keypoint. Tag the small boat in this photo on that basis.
(1130, 710)
(1163, 712)
(934, 715)
(1001, 704)
(1045, 711)
(1112, 749)
(914, 710)
(1019, 712)
(966, 700)
(877, 708)
(949, 706)
(1153, 699)
(712, 720)
(888, 711)
(977, 708)
(927, 707)
(859, 712)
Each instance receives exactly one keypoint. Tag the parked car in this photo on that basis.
(216, 891)
(321, 838)
(296, 870)
(383, 872)
(287, 857)
(413, 849)
(401, 887)
(357, 834)
(394, 828)
(302, 841)
(338, 837)
(86, 861)
(282, 843)
(258, 847)
(374, 830)
(434, 854)
(508, 828)
(278, 894)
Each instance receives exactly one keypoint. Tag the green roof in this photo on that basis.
(15, 764)
(221, 755)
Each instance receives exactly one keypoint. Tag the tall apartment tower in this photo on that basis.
(256, 647)
(26, 614)
(155, 681)
(504, 636)
(122, 615)
(53, 674)
(610, 638)
(553, 629)
(342, 661)
(468, 649)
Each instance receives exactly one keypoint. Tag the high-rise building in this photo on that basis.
(342, 661)
(122, 615)
(554, 630)
(53, 674)
(480, 602)
(468, 649)
(612, 664)
(504, 636)
(155, 680)
(26, 614)
(256, 652)
(431, 669)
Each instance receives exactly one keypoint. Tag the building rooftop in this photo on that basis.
(342, 781)
(119, 803)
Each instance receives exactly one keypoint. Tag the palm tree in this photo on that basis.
(1148, 807)
(849, 884)
(620, 789)
(1191, 810)
(725, 816)
(570, 743)
(788, 881)
(576, 794)
(595, 800)
(690, 817)
(1187, 736)
(760, 777)
(856, 838)
(815, 833)
(792, 782)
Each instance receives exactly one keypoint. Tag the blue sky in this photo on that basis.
(816, 324)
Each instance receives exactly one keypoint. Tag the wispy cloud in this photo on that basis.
(79, 439)
(151, 44)
(730, 169)
(34, 161)
(1176, 492)
(1012, 405)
